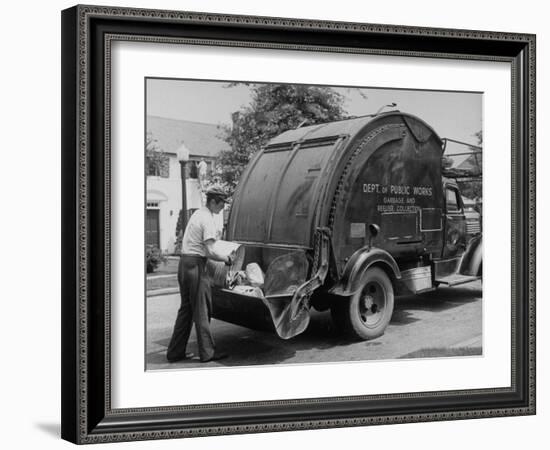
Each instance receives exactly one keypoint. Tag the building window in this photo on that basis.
(152, 205)
(193, 167)
(158, 165)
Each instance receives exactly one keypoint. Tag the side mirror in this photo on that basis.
(373, 230)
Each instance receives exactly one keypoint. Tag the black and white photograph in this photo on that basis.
(282, 223)
(299, 224)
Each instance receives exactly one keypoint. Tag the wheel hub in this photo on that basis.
(368, 302)
(371, 304)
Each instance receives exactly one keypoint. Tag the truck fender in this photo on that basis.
(359, 262)
(471, 261)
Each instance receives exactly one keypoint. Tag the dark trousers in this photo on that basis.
(195, 308)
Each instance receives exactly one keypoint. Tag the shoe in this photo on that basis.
(180, 358)
(215, 357)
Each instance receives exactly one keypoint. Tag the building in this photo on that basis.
(163, 185)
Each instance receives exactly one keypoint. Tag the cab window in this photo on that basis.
(452, 200)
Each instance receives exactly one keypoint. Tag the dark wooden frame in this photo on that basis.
(87, 32)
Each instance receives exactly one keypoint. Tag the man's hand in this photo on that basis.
(212, 254)
(230, 258)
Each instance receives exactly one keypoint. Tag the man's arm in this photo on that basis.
(212, 254)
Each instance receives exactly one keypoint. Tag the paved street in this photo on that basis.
(445, 322)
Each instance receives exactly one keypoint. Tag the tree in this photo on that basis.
(474, 188)
(155, 159)
(274, 108)
(479, 137)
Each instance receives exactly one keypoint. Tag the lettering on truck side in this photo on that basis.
(371, 188)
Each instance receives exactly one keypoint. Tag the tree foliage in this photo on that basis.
(474, 188)
(274, 108)
(479, 137)
(154, 155)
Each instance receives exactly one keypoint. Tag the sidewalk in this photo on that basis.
(164, 279)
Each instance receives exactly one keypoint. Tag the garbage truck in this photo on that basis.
(344, 216)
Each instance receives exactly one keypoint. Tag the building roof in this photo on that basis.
(202, 139)
(471, 163)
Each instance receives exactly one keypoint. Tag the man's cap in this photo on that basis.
(217, 192)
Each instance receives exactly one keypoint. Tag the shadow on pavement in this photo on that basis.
(247, 347)
(438, 300)
(250, 347)
(463, 293)
(402, 317)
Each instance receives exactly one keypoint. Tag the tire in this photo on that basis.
(366, 314)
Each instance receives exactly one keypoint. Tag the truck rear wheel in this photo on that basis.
(367, 313)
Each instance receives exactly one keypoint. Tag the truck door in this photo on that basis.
(455, 223)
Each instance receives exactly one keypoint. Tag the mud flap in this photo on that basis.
(260, 313)
(286, 322)
(292, 318)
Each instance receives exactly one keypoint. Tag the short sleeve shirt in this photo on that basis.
(202, 226)
(203, 167)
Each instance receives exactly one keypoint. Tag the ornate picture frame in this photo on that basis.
(88, 33)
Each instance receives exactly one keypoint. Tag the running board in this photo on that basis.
(456, 279)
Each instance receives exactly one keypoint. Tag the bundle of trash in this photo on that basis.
(247, 282)
(283, 276)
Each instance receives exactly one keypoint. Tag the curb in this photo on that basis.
(160, 292)
(165, 275)
(472, 342)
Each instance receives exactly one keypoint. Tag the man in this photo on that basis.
(198, 241)
(202, 169)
